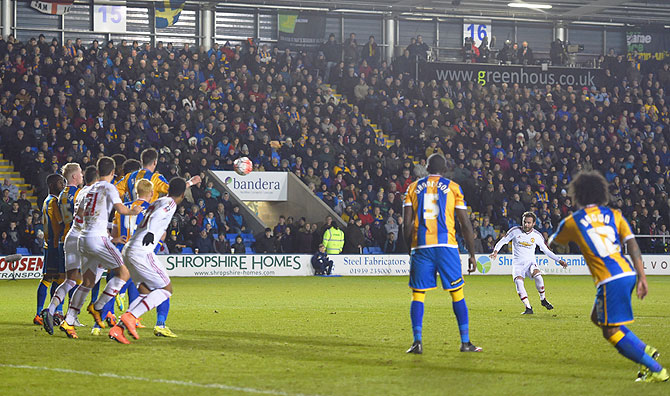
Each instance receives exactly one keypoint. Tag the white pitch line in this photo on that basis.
(154, 380)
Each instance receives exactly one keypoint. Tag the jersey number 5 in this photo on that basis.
(430, 207)
(604, 240)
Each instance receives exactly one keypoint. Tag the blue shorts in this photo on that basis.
(54, 261)
(426, 263)
(613, 301)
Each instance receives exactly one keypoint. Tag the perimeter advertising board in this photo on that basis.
(256, 186)
(213, 265)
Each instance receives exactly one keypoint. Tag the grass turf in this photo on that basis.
(338, 336)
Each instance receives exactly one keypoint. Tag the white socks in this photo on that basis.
(136, 301)
(59, 295)
(539, 284)
(149, 302)
(111, 290)
(76, 302)
(521, 290)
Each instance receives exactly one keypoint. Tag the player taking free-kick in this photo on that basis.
(524, 239)
(150, 276)
(96, 248)
(600, 231)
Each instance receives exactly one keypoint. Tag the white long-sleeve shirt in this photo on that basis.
(523, 245)
(156, 220)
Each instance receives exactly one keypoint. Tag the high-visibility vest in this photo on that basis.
(333, 240)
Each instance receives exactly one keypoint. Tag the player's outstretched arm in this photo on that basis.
(552, 255)
(124, 210)
(502, 242)
(408, 221)
(469, 235)
(634, 251)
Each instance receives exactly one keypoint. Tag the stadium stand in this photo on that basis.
(357, 140)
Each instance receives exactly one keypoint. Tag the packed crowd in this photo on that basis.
(511, 148)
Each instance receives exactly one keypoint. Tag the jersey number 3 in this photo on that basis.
(604, 240)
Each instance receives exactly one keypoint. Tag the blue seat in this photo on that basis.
(215, 236)
(366, 250)
(22, 251)
(187, 250)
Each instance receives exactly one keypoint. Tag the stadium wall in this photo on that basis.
(212, 265)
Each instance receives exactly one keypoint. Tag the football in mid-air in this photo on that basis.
(243, 166)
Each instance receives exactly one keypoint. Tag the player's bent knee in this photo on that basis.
(609, 332)
(457, 295)
(417, 295)
(168, 287)
(536, 273)
(518, 278)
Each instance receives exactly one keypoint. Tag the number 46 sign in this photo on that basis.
(109, 18)
(477, 30)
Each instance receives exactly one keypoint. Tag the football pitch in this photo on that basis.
(336, 336)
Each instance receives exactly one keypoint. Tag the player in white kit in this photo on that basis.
(73, 175)
(147, 272)
(95, 246)
(524, 240)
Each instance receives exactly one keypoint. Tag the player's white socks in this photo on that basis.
(521, 290)
(136, 301)
(151, 301)
(111, 290)
(59, 295)
(76, 302)
(539, 284)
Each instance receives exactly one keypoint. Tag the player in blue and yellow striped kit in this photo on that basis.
(149, 160)
(54, 264)
(600, 232)
(431, 207)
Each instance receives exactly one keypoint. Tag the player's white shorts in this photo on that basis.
(72, 256)
(98, 251)
(144, 267)
(524, 270)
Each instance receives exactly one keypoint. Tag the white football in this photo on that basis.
(243, 166)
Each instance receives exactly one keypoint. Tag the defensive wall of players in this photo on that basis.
(213, 265)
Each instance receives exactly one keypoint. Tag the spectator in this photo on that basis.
(304, 239)
(37, 245)
(391, 245)
(236, 221)
(221, 245)
(7, 244)
(286, 241)
(239, 247)
(369, 52)
(354, 241)
(204, 243)
(350, 50)
(281, 226)
(175, 243)
(321, 263)
(526, 54)
(332, 53)
(486, 229)
(266, 242)
(13, 189)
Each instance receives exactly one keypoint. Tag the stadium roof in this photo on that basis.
(616, 11)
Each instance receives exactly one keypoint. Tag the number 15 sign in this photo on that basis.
(109, 18)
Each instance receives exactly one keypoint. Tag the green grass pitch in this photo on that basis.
(337, 336)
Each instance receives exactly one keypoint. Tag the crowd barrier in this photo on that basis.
(212, 265)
